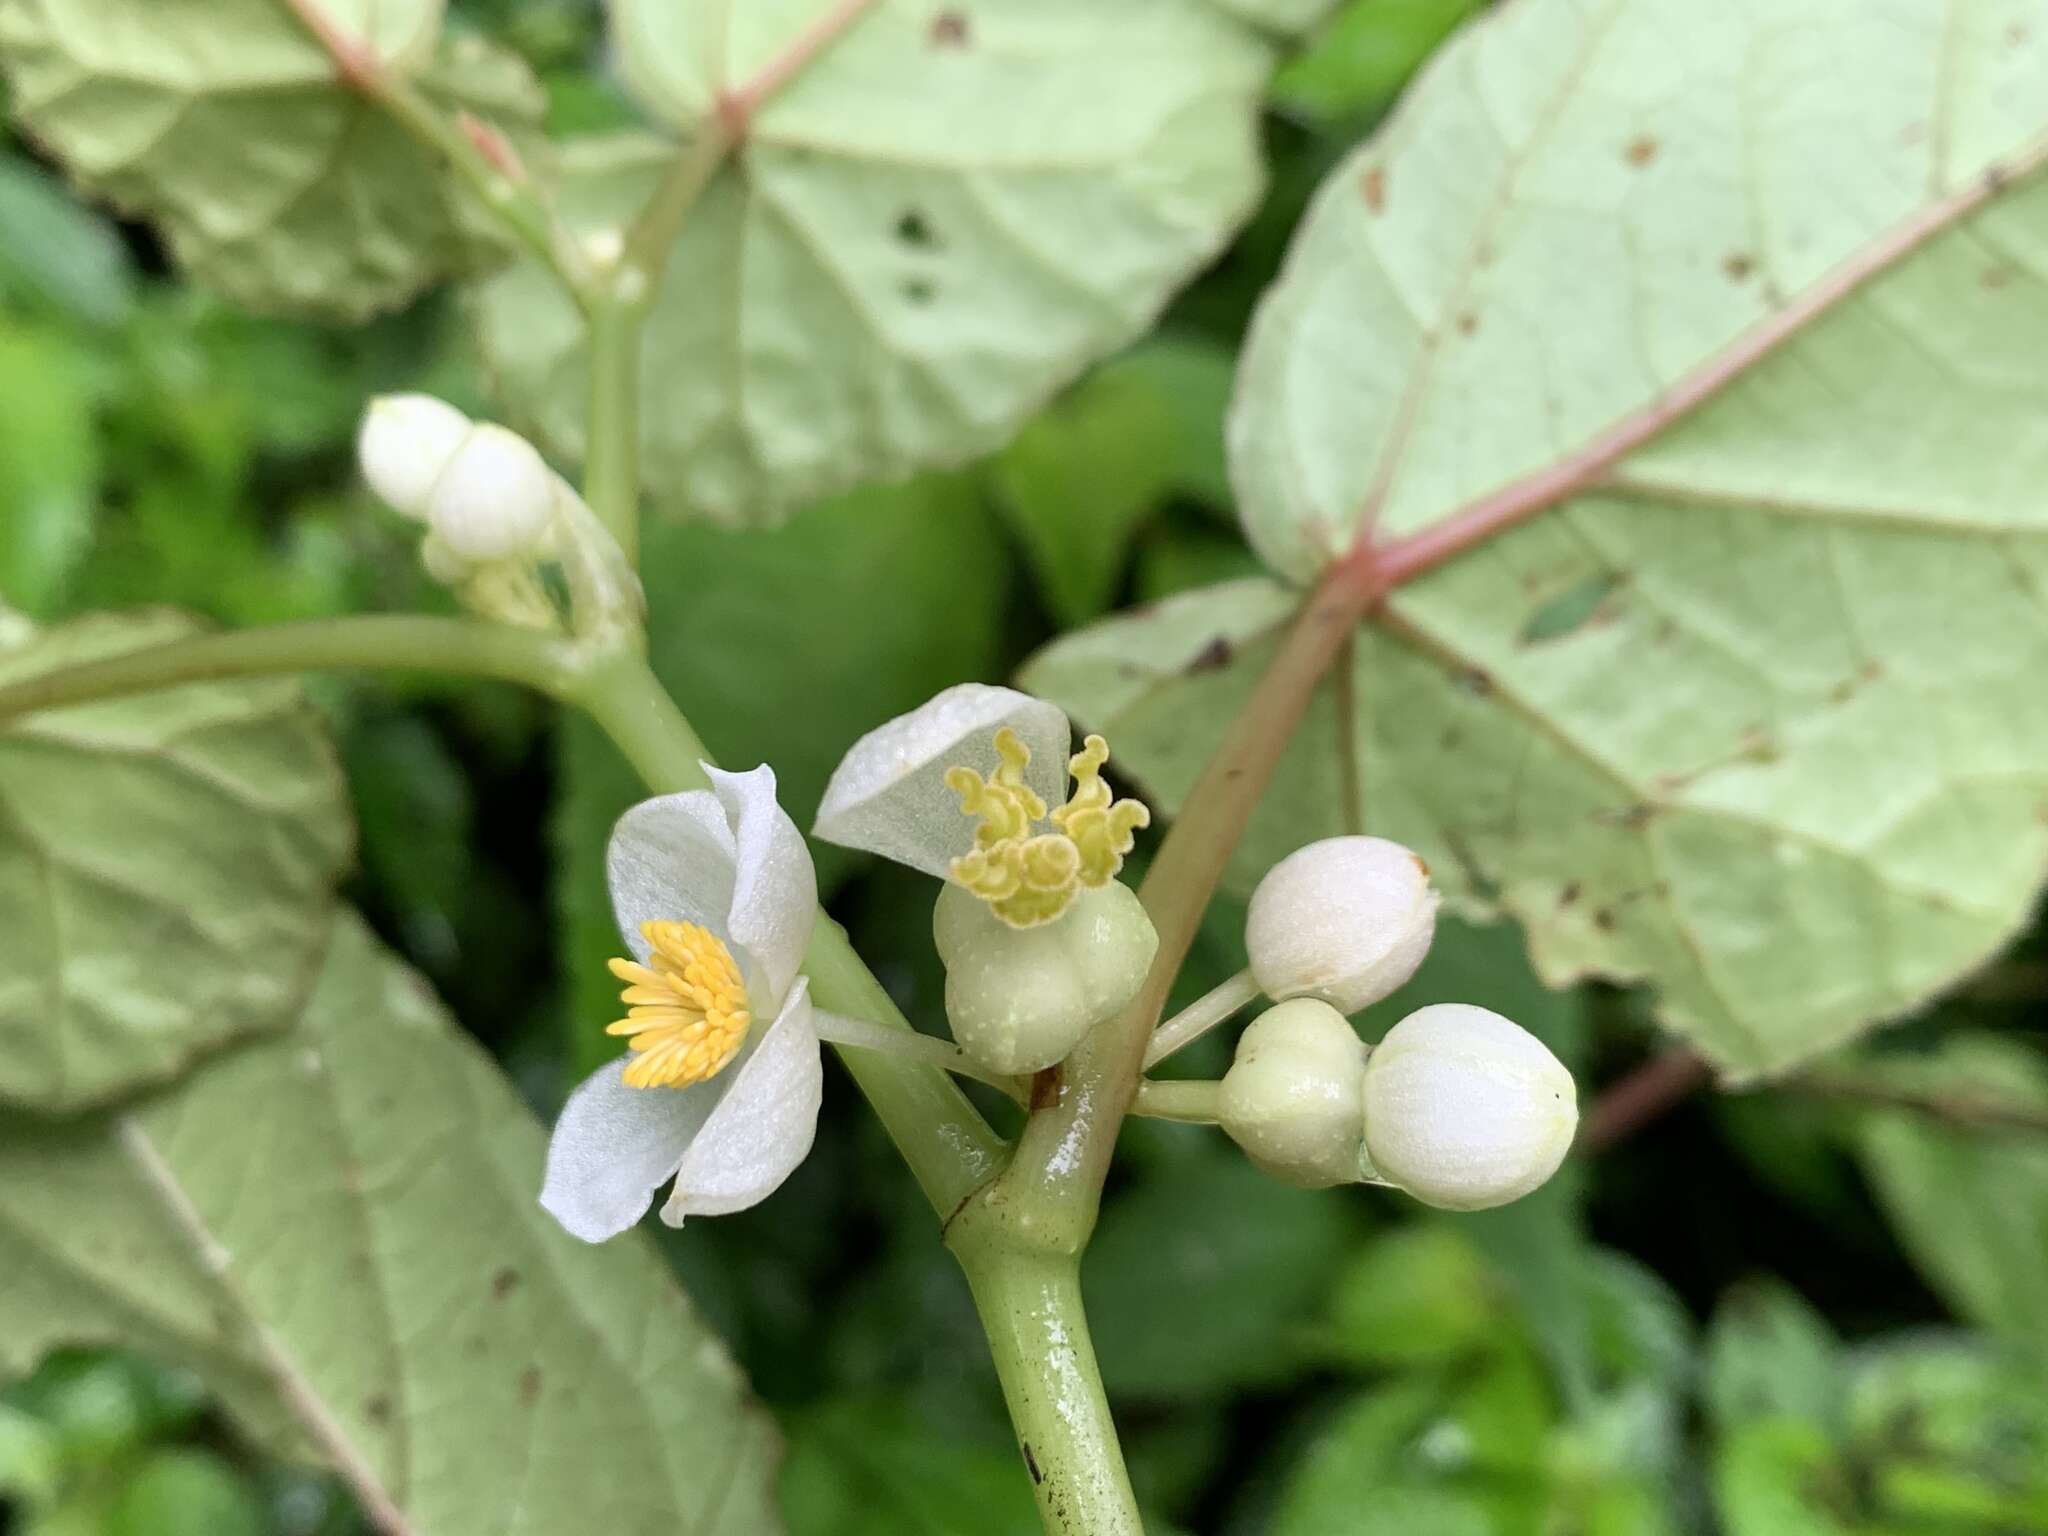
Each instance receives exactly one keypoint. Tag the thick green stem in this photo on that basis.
(1030, 1304)
(949, 1147)
(393, 642)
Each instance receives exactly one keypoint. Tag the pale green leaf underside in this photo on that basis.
(167, 867)
(1584, 207)
(338, 1230)
(1755, 712)
(223, 122)
(941, 220)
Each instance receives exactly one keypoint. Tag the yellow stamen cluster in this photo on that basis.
(1027, 876)
(686, 1011)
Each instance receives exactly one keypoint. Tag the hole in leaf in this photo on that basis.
(1571, 609)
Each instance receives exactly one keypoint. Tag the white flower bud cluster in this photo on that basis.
(1458, 1106)
(484, 492)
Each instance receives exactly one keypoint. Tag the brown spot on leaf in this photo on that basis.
(504, 1282)
(1374, 185)
(1568, 895)
(1995, 277)
(378, 1410)
(1476, 680)
(1640, 150)
(1216, 653)
(1738, 265)
(2016, 35)
(949, 30)
(1604, 920)
(1031, 1463)
(1467, 323)
(529, 1385)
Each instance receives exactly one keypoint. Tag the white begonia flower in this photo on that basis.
(716, 898)
(1347, 919)
(1001, 758)
(404, 444)
(483, 491)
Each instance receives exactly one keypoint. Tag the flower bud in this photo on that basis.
(405, 443)
(1465, 1109)
(495, 499)
(1019, 999)
(1294, 1098)
(1347, 919)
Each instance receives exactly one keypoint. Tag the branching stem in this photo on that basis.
(1214, 1007)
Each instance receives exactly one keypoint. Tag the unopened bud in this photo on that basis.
(1347, 920)
(495, 499)
(1019, 999)
(405, 443)
(1294, 1098)
(1465, 1109)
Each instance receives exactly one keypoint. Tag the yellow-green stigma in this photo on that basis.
(1027, 876)
(686, 1010)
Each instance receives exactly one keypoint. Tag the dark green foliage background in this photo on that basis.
(1748, 1319)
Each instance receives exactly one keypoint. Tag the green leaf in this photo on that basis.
(225, 123)
(1770, 1355)
(1777, 1476)
(1970, 1205)
(1358, 63)
(57, 253)
(1079, 482)
(1952, 1435)
(865, 1467)
(1773, 428)
(1246, 1262)
(49, 462)
(186, 1492)
(338, 1230)
(167, 866)
(892, 593)
(1420, 1295)
(903, 274)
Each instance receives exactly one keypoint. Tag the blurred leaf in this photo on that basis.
(1080, 480)
(1770, 1355)
(1279, 16)
(1781, 1477)
(1245, 1261)
(1178, 558)
(1712, 781)
(49, 463)
(1442, 1454)
(1970, 1205)
(223, 121)
(413, 814)
(1193, 377)
(1355, 66)
(867, 1468)
(56, 253)
(1952, 1433)
(1422, 1294)
(186, 1492)
(31, 1462)
(167, 865)
(786, 644)
(903, 277)
(338, 1230)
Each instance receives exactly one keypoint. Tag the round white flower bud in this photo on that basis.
(1294, 1098)
(1465, 1109)
(1019, 999)
(1347, 919)
(495, 499)
(405, 443)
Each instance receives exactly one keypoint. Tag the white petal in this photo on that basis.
(764, 1125)
(672, 857)
(889, 793)
(614, 1146)
(775, 892)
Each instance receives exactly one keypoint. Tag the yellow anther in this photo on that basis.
(1029, 876)
(686, 1010)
